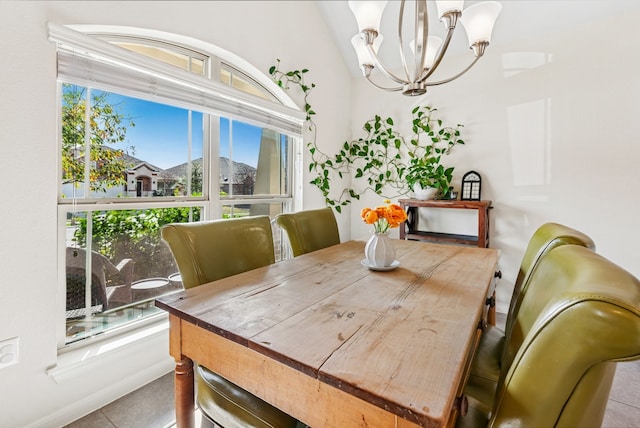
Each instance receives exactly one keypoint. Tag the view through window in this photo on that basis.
(128, 166)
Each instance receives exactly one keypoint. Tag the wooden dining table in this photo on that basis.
(336, 344)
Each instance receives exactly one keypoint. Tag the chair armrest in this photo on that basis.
(125, 267)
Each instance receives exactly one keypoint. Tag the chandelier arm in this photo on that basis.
(384, 69)
(401, 43)
(441, 82)
(396, 89)
(421, 34)
(441, 53)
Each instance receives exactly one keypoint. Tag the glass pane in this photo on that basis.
(270, 209)
(253, 160)
(138, 148)
(225, 77)
(197, 66)
(244, 83)
(130, 265)
(167, 55)
(249, 209)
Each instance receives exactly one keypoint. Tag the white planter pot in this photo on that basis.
(424, 194)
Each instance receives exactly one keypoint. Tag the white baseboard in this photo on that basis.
(153, 345)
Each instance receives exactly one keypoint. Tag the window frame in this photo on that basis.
(211, 202)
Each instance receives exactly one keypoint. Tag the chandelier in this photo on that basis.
(428, 51)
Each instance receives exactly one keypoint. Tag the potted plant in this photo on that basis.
(377, 162)
(428, 178)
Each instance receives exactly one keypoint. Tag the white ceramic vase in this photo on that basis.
(424, 194)
(379, 250)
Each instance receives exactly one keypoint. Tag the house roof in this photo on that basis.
(241, 170)
(147, 165)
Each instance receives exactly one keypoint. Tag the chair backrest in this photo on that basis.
(579, 317)
(76, 283)
(209, 250)
(310, 230)
(544, 239)
(101, 268)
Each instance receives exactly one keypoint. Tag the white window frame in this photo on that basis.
(73, 43)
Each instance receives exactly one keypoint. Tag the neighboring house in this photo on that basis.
(141, 180)
(243, 180)
(144, 179)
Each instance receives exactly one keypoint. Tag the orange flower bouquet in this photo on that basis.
(384, 217)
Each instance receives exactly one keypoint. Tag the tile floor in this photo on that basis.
(152, 405)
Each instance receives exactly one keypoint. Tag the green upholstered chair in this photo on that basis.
(310, 230)
(486, 364)
(578, 318)
(207, 251)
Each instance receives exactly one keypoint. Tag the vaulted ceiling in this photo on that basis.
(519, 20)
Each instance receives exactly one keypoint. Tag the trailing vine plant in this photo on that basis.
(378, 158)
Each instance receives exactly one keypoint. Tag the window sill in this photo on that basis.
(84, 360)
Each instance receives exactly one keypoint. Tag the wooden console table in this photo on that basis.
(410, 229)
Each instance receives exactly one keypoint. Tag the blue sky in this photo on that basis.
(161, 132)
(161, 135)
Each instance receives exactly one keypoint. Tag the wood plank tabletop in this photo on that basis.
(396, 339)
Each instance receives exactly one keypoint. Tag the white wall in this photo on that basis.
(551, 125)
(257, 31)
(554, 142)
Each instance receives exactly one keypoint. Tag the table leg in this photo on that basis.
(184, 390)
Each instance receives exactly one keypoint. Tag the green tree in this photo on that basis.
(108, 126)
(196, 178)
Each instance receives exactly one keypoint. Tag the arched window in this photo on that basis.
(156, 130)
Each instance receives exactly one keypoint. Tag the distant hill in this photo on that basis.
(242, 170)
